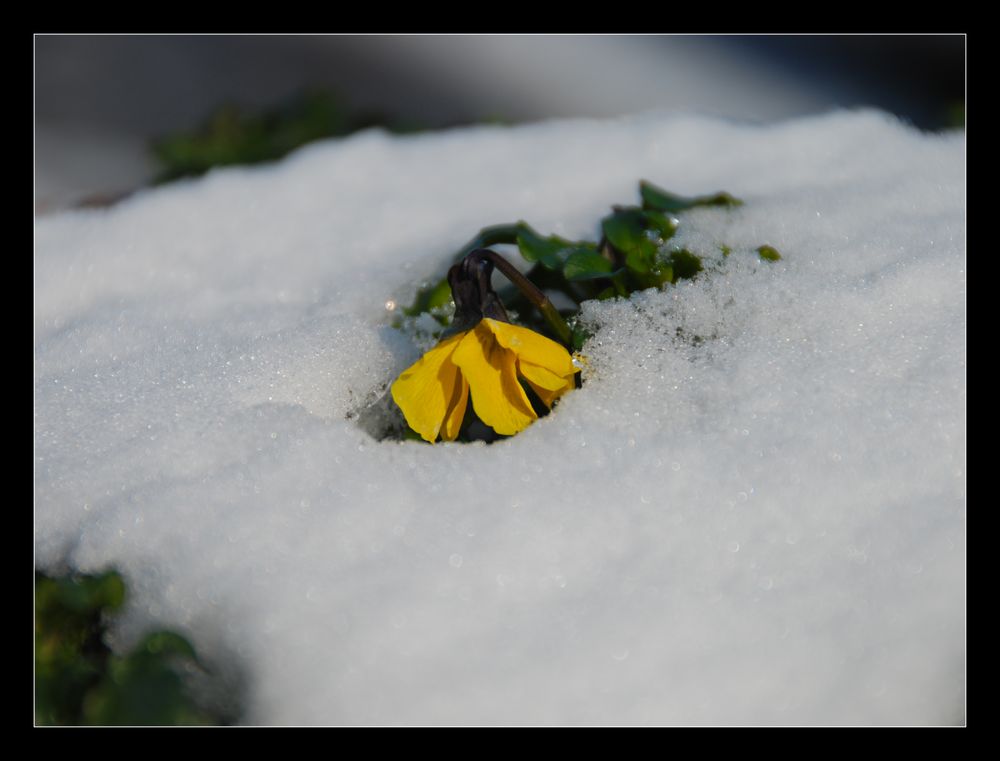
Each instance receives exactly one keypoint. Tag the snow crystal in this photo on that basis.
(752, 512)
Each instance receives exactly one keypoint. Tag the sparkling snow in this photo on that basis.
(763, 525)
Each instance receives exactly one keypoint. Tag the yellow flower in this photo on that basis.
(486, 360)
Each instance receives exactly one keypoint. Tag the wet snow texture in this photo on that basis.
(753, 511)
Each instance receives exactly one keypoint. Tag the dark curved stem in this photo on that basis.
(530, 291)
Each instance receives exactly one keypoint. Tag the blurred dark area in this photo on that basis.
(108, 108)
(920, 78)
(79, 681)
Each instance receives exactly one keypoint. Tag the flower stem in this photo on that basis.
(530, 291)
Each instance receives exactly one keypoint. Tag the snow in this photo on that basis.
(762, 526)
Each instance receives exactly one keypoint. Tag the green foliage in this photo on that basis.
(769, 253)
(79, 681)
(634, 253)
(658, 199)
(586, 264)
(232, 135)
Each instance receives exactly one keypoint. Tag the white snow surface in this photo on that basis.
(766, 526)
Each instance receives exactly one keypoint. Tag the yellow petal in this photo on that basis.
(549, 396)
(540, 376)
(490, 370)
(426, 391)
(533, 347)
(456, 410)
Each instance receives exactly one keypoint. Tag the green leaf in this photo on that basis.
(769, 253)
(661, 224)
(685, 264)
(439, 296)
(608, 293)
(431, 297)
(657, 275)
(551, 252)
(586, 264)
(626, 229)
(493, 236)
(657, 199)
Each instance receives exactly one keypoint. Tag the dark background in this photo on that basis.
(101, 100)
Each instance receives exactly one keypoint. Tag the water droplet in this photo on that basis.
(766, 583)
(675, 466)
(733, 546)
(620, 655)
(455, 561)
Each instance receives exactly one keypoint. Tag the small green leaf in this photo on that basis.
(661, 224)
(659, 274)
(626, 230)
(431, 297)
(439, 296)
(586, 264)
(663, 274)
(657, 199)
(686, 265)
(769, 253)
(608, 293)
